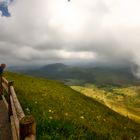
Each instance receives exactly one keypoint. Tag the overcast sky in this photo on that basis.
(80, 31)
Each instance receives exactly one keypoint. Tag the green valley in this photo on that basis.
(76, 75)
(124, 100)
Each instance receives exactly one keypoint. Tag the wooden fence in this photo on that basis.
(23, 127)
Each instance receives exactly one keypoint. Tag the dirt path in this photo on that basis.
(5, 128)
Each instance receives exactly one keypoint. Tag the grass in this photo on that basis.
(124, 100)
(64, 114)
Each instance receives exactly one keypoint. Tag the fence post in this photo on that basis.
(1, 88)
(9, 101)
(27, 127)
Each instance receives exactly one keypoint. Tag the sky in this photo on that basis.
(75, 32)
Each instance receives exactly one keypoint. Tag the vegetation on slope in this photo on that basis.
(98, 75)
(62, 113)
(124, 100)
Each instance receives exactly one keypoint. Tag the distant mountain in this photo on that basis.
(54, 67)
(97, 75)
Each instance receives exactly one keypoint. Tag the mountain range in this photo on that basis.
(79, 75)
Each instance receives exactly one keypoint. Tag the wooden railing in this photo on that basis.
(23, 127)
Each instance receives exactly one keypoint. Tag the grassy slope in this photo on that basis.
(124, 100)
(63, 113)
(98, 75)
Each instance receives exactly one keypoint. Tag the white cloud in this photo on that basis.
(77, 55)
(26, 53)
(94, 30)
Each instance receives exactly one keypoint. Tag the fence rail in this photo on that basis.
(23, 127)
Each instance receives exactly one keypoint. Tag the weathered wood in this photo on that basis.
(14, 132)
(23, 127)
(27, 128)
(9, 101)
(19, 110)
(5, 87)
(16, 121)
(4, 80)
(5, 102)
(1, 88)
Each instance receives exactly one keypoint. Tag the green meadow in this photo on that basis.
(124, 100)
(62, 113)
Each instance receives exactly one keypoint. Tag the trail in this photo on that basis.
(5, 128)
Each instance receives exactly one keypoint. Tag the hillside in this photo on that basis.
(76, 75)
(63, 113)
(124, 100)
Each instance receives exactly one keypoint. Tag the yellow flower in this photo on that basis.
(50, 117)
(104, 120)
(66, 114)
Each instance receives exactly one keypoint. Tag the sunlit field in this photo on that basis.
(62, 113)
(125, 101)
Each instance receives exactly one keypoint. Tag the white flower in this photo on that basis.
(27, 109)
(82, 117)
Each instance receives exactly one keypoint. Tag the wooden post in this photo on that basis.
(27, 127)
(19, 110)
(1, 88)
(9, 101)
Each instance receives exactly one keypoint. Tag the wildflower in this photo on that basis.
(82, 117)
(50, 110)
(125, 127)
(99, 117)
(66, 114)
(104, 120)
(27, 109)
(50, 117)
(35, 102)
